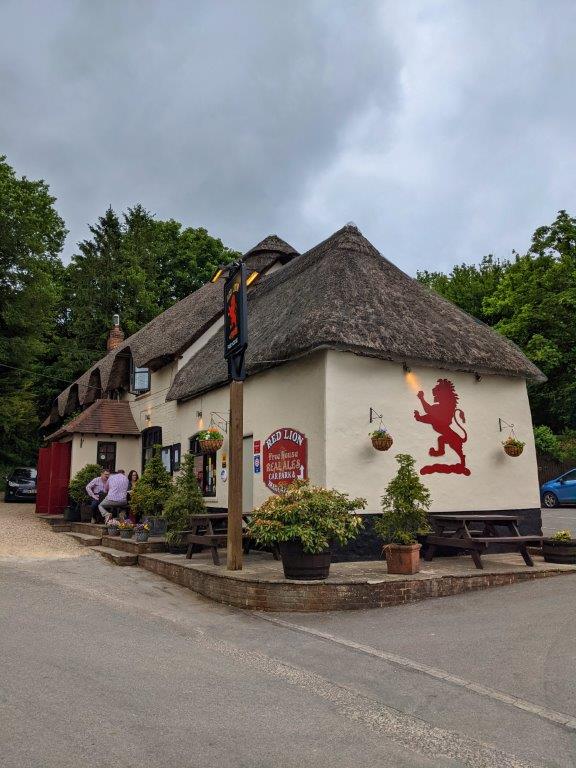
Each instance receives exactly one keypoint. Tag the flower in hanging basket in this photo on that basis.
(210, 440)
(381, 439)
(513, 447)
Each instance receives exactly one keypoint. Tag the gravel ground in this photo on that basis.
(24, 537)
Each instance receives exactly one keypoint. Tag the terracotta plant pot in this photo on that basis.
(559, 551)
(210, 446)
(382, 443)
(401, 558)
(302, 565)
(512, 449)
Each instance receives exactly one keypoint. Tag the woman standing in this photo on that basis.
(133, 478)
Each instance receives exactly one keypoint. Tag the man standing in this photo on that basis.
(97, 489)
(116, 495)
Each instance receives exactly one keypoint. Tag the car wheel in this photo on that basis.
(550, 500)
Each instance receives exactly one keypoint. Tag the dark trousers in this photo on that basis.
(96, 516)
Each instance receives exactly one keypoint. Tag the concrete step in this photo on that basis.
(86, 539)
(116, 556)
(51, 519)
(93, 529)
(61, 527)
(154, 544)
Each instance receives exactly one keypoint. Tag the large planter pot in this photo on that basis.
(157, 525)
(85, 513)
(141, 536)
(512, 449)
(177, 548)
(72, 512)
(559, 551)
(382, 443)
(127, 533)
(113, 531)
(210, 446)
(402, 558)
(302, 565)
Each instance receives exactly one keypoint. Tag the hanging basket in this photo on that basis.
(513, 448)
(210, 446)
(382, 443)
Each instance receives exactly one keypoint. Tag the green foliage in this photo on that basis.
(210, 434)
(562, 536)
(312, 515)
(404, 505)
(545, 440)
(31, 237)
(514, 442)
(153, 489)
(77, 487)
(380, 432)
(185, 501)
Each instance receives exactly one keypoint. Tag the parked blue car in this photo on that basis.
(561, 490)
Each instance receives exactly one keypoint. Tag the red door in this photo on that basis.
(53, 478)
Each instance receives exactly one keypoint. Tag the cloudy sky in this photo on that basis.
(445, 129)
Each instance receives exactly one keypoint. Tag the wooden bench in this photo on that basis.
(203, 534)
(456, 531)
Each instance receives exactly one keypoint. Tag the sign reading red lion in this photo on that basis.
(441, 415)
(284, 459)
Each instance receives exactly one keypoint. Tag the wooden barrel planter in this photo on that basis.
(382, 442)
(210, 446)
(302, 565)
(513, 448)
(563, 552)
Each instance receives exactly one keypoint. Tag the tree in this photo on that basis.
(31, 237)
(405, 505)
(153, 489)
(186, 500)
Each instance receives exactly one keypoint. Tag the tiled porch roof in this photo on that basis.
(104, 417)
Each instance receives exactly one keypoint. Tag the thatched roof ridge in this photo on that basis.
(274, 244)
(344, 295)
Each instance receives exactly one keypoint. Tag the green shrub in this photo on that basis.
(153, 489)
(545, 440)
(405, 505)
(184, 502)
(77, 487)
(311, 515)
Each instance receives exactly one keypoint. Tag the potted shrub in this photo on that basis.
(77, 492)
(381, 439)
(126, 528)
(185, 501)
(302, 523)
(141, 532)
(560, 548)
(513, 447)
(404, 517)
(151, 493)
(210, 440)
(113, 528)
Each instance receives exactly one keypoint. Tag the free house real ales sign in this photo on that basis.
(284, 458)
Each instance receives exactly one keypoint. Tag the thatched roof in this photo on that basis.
(164, 337)
(104, 417)
(344, 295)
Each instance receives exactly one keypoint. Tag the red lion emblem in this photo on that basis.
(233, 316)
(440, 416)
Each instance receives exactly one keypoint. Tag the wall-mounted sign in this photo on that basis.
(257, 464)
(285, 458)
(223, 475)
(257, 446)
(447, 421)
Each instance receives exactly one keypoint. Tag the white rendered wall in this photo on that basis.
(497, 481)
(84, 451)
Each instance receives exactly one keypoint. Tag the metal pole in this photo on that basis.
(234, 551)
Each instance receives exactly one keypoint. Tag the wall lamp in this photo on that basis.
(406, 368)
(477, 377)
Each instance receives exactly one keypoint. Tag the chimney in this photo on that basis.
(116, 334)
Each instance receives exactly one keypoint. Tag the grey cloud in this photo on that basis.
(444, 130)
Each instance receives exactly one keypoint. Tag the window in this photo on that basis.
(167, 458)
(106, 456)
(205, 468)
(570, 477)
(150, 437)
(139, 379)
(176, 458)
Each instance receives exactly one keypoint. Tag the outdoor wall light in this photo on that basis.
(198, 414)
(477, 377)
(406, 368)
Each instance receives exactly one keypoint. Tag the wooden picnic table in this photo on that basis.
(474, 532)
(202, 533)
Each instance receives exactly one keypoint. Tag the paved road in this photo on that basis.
(559, 519)
(107, 666)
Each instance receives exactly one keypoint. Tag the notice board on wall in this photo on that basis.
(284, 458)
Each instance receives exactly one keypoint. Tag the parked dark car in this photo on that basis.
(561, 490)
(21, 485)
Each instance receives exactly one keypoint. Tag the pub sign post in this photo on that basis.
(235, 343)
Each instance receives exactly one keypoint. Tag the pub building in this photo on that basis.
(339, 341)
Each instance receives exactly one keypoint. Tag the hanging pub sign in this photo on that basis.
(235, 321)
(284, 459)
